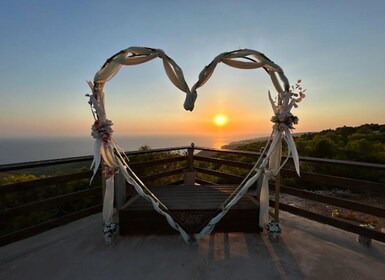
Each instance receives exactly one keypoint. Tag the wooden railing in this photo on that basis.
(31, 206)
(301, 187)
(59, 190)
(61, 193)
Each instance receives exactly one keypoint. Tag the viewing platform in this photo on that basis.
(51, 225)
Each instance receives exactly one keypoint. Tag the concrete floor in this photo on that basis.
(306, 250)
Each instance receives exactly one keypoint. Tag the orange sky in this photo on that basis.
(52, 52)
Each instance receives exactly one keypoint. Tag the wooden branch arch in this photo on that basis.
(115, 160)
(243, 59)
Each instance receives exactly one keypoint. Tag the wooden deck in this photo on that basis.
(191, 206)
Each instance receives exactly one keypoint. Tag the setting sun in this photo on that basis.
(220, 120)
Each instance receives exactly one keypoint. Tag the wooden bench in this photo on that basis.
(190, 206)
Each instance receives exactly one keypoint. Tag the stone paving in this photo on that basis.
(306, 250)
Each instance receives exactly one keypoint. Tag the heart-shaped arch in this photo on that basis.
(267, 165)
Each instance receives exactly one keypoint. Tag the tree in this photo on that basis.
(324, 148)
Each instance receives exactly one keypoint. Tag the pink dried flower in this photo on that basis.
(108, 171)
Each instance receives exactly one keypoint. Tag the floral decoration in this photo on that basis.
(109, 230)
(273, 227)
(108, 171)
(283, 118)
(102, 130)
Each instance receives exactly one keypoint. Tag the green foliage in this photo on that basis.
(10, 199)
(323, 147)
(363, 143)
(29, 174)
(150, 170)
(10, 178)
(26, 220)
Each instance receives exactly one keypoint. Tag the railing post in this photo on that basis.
(190, 157)
(120, 190)
(189, 172)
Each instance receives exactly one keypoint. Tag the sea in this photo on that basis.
(17, 150)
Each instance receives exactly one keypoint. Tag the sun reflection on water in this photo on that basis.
(219, 142)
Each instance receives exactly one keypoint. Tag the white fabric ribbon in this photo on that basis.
(274, 158)
(108, 207)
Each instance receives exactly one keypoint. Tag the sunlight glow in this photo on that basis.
(220, 120)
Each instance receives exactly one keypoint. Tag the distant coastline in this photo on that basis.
(16, 150)
(236, 144)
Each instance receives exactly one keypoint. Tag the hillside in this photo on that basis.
(362, 143)
(234, 145)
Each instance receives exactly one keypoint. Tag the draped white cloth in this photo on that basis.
(106, 148)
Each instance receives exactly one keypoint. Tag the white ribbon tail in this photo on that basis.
(97, 156)
(108, 203)
(264, 202)
(293, 149)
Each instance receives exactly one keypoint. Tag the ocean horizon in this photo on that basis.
(18, 149)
